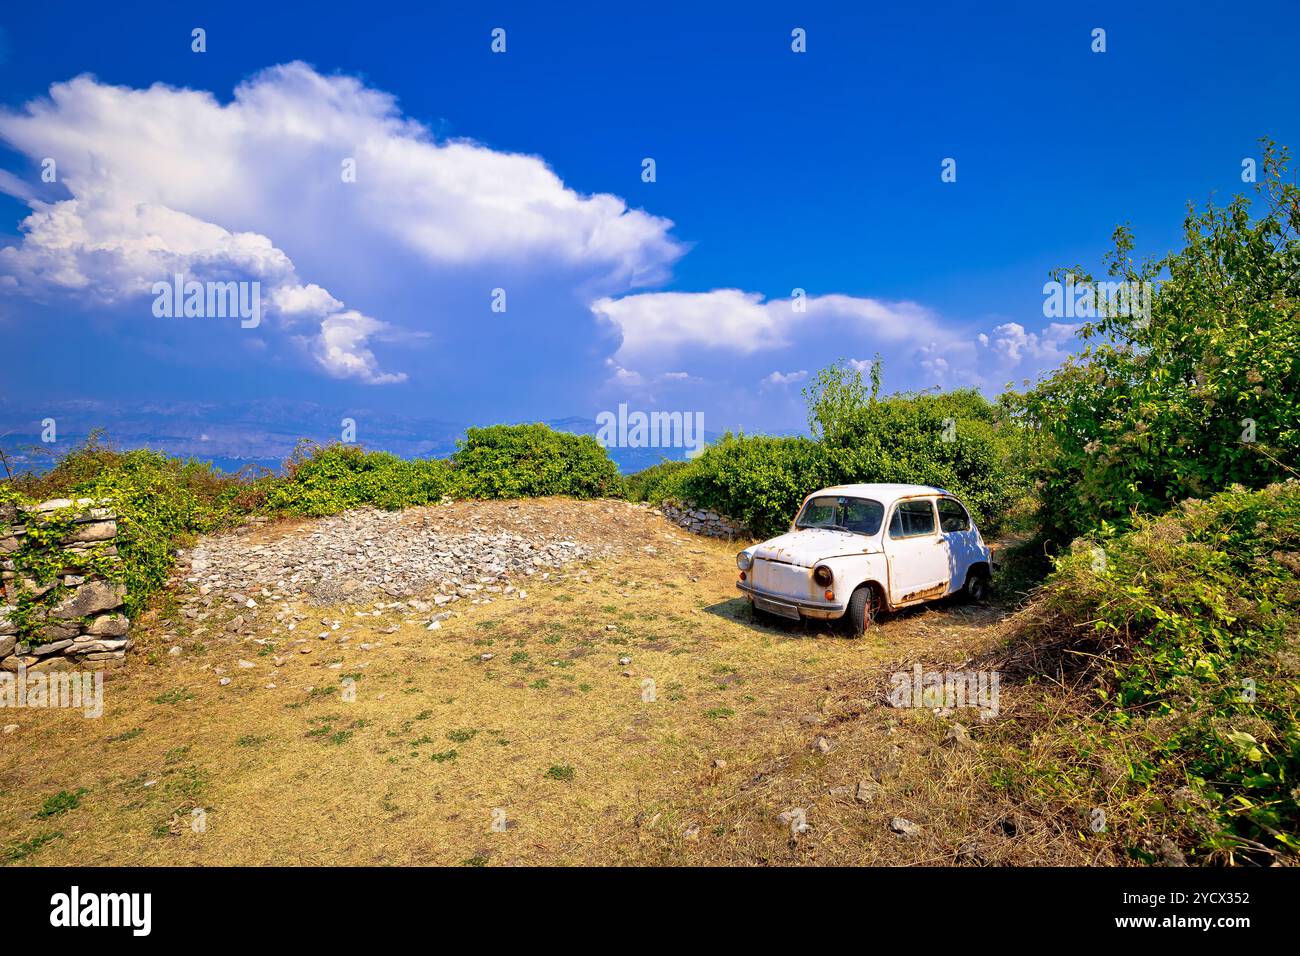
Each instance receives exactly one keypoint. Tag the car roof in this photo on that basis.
(884, 493)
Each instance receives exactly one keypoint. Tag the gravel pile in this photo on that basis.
(366, 553)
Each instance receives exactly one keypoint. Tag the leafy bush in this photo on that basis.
(1202, 393)
(654, 483)
(157, 504)
(757, 480)
(326, 479)
(501, 461)
(954, 440)
(1188, 628)
(522, 461)
(158, 501)
(957, 441)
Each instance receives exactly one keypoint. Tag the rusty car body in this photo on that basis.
(855, 550)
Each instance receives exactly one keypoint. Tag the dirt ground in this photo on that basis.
(551, 752)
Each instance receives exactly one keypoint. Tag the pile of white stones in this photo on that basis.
(362, 553)
(85, 626)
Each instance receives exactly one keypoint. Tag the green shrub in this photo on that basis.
(954, 440)
(1188, 630)
(1203, 392)
(523, 461)
(158, 501)
(655, 483)
(957, 441)
(758, 480)
(326, 479)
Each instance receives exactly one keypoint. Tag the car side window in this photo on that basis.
(911, 519)
(952, 516)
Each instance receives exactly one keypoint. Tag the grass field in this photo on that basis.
(552, 752)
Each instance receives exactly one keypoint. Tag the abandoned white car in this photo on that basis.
(855, 550)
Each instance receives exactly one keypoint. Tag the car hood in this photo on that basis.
(807, 546)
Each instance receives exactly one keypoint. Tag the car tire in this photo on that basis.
(977, 586)
(861, 612)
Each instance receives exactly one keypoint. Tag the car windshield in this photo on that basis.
(857, 515)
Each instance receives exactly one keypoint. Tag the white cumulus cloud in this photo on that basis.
(309, 299)
(730, 320)
(1014, 344)
(158, 181)
(341, 348)
(785, 378)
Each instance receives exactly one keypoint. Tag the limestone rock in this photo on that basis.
(959, 738)
(98, 646)
(90, 598)
(109, 625)
(868, 790)
(904, 827)
(55, 633)
(41, 650)
(94, 531)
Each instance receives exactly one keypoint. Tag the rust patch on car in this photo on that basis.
(927, 594)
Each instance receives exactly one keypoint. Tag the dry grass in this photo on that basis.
(297, 775)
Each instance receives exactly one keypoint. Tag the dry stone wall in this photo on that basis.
(702, 520)
(73, 617)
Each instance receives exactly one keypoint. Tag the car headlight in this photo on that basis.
(743, 561)
(823, 576)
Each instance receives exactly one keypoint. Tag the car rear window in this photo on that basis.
(952, 516)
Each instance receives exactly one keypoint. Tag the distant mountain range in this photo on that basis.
(263, 433)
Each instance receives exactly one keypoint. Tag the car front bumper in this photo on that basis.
(793, 608)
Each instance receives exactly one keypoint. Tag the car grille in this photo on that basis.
(775, 577)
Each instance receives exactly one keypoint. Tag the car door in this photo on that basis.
(917, 553)
(963, 540)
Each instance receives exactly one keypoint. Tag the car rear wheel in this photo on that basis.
(861, 612)
(977, 586)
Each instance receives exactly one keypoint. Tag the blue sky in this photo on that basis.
(775, 170)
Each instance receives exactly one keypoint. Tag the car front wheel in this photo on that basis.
(861, 612)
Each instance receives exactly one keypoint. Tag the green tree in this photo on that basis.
(1197, 393)
(954, 440)
(838, 403)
